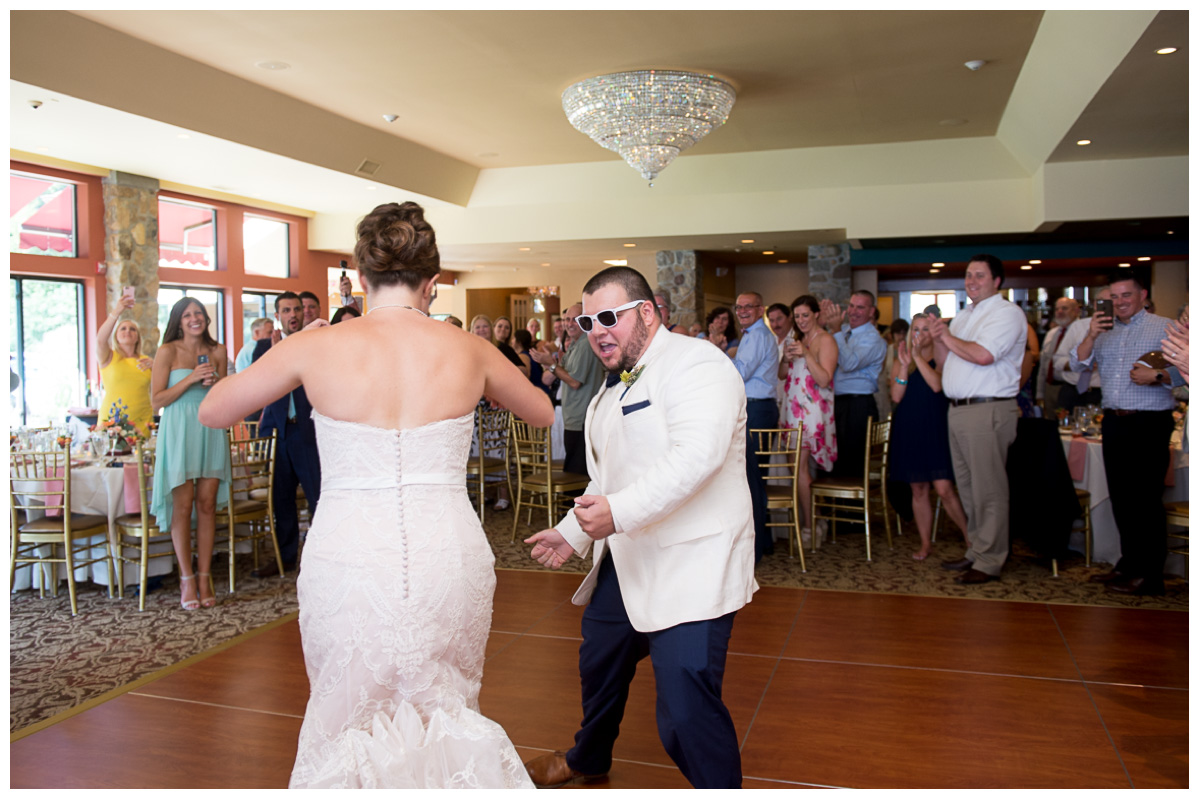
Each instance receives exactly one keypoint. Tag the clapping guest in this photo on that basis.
(192, 464)
(806, 367)
(502, 337)
(722, 330)
(481, 326)
(124, 371)
(919, 451)
(524, 342)
(261, 328)
(1175, 345)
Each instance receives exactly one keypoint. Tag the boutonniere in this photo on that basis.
(629, 378)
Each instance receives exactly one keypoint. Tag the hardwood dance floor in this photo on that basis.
(826, 689)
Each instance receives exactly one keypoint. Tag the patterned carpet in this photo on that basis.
(58, 662)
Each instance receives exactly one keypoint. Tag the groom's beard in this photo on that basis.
(634, 349)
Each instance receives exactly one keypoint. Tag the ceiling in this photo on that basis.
(476, 91)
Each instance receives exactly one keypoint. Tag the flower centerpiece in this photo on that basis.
(123, 434)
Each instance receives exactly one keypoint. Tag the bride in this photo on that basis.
(397, 577)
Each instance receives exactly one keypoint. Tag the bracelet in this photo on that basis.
(902, 383)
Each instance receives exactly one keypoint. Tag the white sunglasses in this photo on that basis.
(607, 317)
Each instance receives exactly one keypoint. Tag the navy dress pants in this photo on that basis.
(297, 462)
(759, 414)
(689, 667)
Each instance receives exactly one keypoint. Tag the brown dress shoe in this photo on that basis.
(1107, 577)
(1139, 586)
(552, 771)
(959, 565)
(973, 576)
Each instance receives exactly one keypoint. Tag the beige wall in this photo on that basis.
(777, 283)
(1169, 287)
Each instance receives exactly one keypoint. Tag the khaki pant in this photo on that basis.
(979, 439)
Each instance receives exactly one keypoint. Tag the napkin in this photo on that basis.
(1077, 458)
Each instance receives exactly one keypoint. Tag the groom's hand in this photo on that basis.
(594, 516)
(550, 549)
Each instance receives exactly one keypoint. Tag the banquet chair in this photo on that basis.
(139, 531)
(39, 493)
(493, 457)
(1085, 508)
(778, 451)
(251, 501)
(849, 499)
(1177, 514)
(539, 484)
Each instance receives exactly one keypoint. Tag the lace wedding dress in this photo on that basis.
(395, 605)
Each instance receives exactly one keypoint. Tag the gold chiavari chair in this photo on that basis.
(1177, 514)
(39, 493)
(849, 499)
(137, 532)
(539, 484)
(493, 456)
(778, 451)
(251, 499)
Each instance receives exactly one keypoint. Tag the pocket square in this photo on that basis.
(635, 407)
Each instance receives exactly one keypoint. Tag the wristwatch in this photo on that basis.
(553, 369)
(1161, 376)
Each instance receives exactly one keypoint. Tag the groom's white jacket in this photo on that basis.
(669, 454)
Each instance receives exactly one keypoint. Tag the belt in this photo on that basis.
(969, 401)
(291, 420)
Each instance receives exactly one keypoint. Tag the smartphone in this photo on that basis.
(343, 263)
(1105, 308)
(203, 360)
(128, 292)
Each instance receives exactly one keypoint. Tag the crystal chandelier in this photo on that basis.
(648, 116)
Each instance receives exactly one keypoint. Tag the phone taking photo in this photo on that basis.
(127, 292)
(1104, 307)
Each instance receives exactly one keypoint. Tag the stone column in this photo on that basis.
(680, 276)
(829, 272)
(131, 249)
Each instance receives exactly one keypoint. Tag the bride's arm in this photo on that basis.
(269, 378)
(505, 384)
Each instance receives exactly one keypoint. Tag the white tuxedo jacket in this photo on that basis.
(669, 453)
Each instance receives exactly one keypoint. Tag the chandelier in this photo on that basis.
(648, 116)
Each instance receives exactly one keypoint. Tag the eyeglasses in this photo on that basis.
(607, 317)
(750, 307)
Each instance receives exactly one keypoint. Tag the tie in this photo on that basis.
(848, 332)
(612, 380)
(1085, 381)
(1057, 342)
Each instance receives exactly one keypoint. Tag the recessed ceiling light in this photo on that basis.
(934, 271)
(617, 262)
(1084, 142)
(1170, 233)
(630, 244)
(747, 241)
(1166, 51)
(1122, 265)
(1026, 266)
(273, 65)
(783, 261)
(1035, 261)
(1143, 258)
(523, 249)
(938, 264)
(546, 264)
(768, 252)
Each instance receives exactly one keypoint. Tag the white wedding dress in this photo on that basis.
(395, 597)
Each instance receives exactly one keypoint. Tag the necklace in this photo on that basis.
(398, 305)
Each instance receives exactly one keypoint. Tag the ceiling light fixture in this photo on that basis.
(1035, 261)
(934, 271)
(747, 241)
(1122, 265)
(629, 245)
(1026, 266)
(1084, 142)
(1166, 51)
(617, 262)
(523, 249)
(937, 264)
(1143, 258)
(768, 252)
(783, 261)
(648, 116)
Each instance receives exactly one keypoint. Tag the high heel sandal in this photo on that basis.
(208, 602)
(188, 605)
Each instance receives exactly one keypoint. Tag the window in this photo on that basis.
(211, 299)
(266, 247)
(945, 301)
(41, 216)
(46, 351)
(187, 235)
(255, 305)
(333, 288)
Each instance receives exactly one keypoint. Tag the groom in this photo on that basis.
(668, 510)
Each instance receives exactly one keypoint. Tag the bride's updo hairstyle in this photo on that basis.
(396, 246)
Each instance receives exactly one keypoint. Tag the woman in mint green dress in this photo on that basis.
(192, 462)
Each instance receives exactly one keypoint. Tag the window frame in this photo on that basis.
(81, 325)
(76, 233)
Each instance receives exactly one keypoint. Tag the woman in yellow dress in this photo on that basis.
(124, 370)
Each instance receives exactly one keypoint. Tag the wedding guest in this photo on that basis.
(861, 351)
(124, 370)
(1033, 353)
(919, 450)
(696, 330)
(502, 329)
(809, 360)
(344, 313)
(1079, 388)
(582, 376)
(192, 466)
(481, 326)
(779, 320)
(455, 321)
(311, 304)
(261, 328)
(1175, 344)
(721, 330)
(757, 361)
(1053, 372)
(524, 342)
(662, 303)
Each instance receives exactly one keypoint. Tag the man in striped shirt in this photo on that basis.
(1137, 429)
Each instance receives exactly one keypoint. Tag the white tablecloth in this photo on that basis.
(1106, 541)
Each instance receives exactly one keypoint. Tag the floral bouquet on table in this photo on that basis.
(123, 434)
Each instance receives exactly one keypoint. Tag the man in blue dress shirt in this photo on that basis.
(1136, 429)
(757, 361)
(861, 351)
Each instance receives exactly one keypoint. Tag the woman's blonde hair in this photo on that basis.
(476, 318)
(112, 339)
(912, 365)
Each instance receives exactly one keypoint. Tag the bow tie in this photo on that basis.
(612, 380)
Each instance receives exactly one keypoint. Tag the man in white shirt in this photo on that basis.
(1078, 388)
(981, 352)
(1053, 371)
(779, 318)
